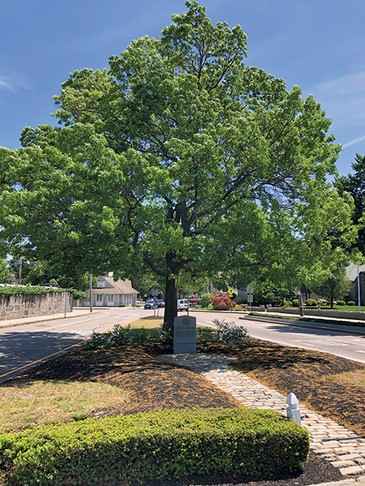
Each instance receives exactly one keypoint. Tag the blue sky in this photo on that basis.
(316, 44)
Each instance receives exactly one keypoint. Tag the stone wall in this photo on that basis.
(18, 306)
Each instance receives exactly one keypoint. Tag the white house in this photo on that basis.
(112, 293)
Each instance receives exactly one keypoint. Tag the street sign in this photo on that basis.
(231, 292)
(249, 289)
(154, 293)
(249, 298)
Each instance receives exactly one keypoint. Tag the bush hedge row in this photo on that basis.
(28, 290)
(168, 444)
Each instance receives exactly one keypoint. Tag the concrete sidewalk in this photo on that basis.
(33, 319)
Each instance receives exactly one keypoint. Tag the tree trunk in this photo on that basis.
(170, 305)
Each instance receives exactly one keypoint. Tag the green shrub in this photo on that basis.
(295, 303)
(206, 335)
(230, 332)
(205, 300)
(28, 290)
(239, 307)
(312, 303)
(78, 294)
(164, 445)
(287, 304)
(122, 335)
(121, 305)
(351, 302)
(340, 302)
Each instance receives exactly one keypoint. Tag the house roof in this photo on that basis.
(352, 270)
(107, 285)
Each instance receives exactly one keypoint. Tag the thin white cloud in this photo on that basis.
(343, 98)
(353, 142)
(13, 81)
(4, 84)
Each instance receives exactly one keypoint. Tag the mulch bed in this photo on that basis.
(152, 384)
(308, 374)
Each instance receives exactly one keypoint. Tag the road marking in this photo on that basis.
(323, 341)
(69, 324)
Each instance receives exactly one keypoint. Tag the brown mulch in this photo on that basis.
(308, 374)
(152, 384)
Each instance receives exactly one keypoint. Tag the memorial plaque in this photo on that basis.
(185, 334)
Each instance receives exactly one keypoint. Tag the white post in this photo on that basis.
(90, 289)
(65, 304)
(358, 288)
(293, 410)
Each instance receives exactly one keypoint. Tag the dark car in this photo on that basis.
(150, 304)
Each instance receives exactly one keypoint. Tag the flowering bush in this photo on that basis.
(222, 301)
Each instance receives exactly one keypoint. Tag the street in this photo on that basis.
(27, 344)
(344, 344)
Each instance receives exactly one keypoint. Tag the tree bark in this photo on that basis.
(170, 305)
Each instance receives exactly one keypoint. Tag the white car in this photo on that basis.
(182, 304)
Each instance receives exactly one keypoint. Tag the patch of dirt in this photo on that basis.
(152, 384)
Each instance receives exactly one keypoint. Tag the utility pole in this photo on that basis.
(90, 290)
(20, 270)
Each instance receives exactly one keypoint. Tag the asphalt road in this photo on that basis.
(24, 345)
(27, 344)
(345, 344)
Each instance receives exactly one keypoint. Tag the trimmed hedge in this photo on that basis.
(169, 444)
(28, 290)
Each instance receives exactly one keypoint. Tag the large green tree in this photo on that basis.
(179, 158)
(337, 285)
(354, 184)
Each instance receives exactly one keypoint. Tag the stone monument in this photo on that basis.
(185, 334)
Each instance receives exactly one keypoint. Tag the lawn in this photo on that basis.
(351, 308)
(131, 379)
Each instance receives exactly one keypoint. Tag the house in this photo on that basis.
(112, 293)
(356, 273)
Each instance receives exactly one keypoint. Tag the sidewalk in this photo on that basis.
(33, 319)
(344, 449)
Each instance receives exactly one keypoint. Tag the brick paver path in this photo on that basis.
(331, 441)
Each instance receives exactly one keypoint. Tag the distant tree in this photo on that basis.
(336, 286)
(354, 184)
(182, 158)
(5, 272)
(266, 293)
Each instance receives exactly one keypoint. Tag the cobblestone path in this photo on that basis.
(341, 447)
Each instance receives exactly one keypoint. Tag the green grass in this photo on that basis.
(353, 308)
(49, 402)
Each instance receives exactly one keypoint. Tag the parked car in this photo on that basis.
(150, 304)
(160, 303)
(183, 304)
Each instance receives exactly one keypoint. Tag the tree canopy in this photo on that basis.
(354, 185)
(179, 157)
